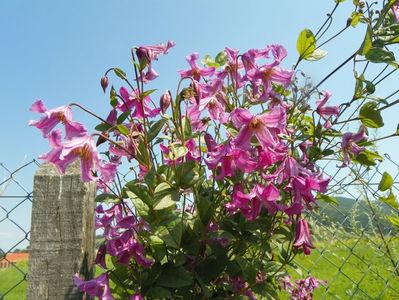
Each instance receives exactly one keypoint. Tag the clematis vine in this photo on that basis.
(232, 161)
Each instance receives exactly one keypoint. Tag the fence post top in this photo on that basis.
(50, 169)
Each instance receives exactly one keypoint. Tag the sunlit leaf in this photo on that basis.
(386, 182)
(370, 116)
(379, 55)
(306, 43)
(120, 73)
(317, 55)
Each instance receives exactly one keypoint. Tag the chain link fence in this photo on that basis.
(356, 248)
(15, 211)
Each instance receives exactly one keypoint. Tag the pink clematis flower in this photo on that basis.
(229, 159)
(52, 117)
(214, 100)
(147, 54)
(233, 67)
(196, 72)
(349, 144)
(251, 204)
(136, 296)
(139, 106)
(83, 148)
(97, 287)
(326, 111)
(302, 236)
(265, 127)
(126, 247)
(100, 257)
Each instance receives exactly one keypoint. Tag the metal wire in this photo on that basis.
(15, 202)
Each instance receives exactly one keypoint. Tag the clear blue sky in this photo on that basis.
(57, 51)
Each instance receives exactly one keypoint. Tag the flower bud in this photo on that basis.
(165, 101)
(104, 82)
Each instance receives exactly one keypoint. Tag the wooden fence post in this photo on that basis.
(62, 234)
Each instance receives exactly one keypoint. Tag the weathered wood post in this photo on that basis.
(62, 234)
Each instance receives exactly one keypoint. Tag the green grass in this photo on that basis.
(9, 278)
(352, 269)
(349, 267)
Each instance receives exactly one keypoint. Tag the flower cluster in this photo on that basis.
(301, 289)
(234, 162)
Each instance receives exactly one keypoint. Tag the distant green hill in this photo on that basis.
(354, 214)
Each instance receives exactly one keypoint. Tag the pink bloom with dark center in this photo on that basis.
(251, 204)
(214, 101)
(126, 247)
(265, 126)
(80, 147)
(97, 287)
(140, 107)
(349, 144)
(326, 111)
(196, 72)
(302, 236)
(229, 159)
(233, 67)
(52, 117)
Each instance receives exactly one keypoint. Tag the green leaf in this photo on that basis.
(146, 93)
(175, 277)
(248, 270)
(339, 1)
(119, 72)
(390, 200)
(221, 58)
(379, 55)
(355, 18)
(165, 203)
(158, 292)
(122, 117)
(176, 151)
(317, 55)
(140, 191)
(370, 116)
(122, 129)
(370, 87)
(187, 174)
(112, 97)
(165, 198)
(106, 198)
(394, 220)
(367, 42)
(186, 127)
(102, 127)
(306, 43)
(141, 207)
(208, 61)
(327, 199)
(155, 129)
(368, 158)
(172, 233)
(386, 182)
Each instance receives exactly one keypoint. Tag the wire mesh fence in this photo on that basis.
(356, 248)
(15, 210)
